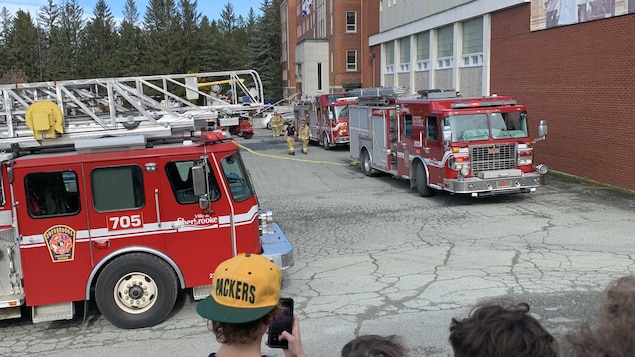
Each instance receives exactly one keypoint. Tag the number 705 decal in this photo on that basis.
(125, 222)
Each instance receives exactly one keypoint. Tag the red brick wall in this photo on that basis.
(340, 42)
(581, 79)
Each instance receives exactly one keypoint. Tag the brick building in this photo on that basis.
(568, 61)
(325, 45)
(578, 77)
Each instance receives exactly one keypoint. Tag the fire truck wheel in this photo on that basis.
(422, 182)
(325, 141)
(367, 167)
(136, 290)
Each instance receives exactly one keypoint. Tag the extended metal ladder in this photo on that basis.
(36, 115)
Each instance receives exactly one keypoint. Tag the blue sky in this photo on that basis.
(210, 8)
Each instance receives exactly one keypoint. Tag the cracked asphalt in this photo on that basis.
(372, 257)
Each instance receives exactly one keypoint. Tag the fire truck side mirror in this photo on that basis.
(199, 183)
(542, 129)
(447, 134)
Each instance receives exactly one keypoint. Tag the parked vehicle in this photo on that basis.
(478, 146)
(288, 117)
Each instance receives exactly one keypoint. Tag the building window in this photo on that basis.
(351, 61)
(351, 21)
(319, 75)
(445, 44)
(404, 54)
(390, 57)
(472, 43)
(423, 51)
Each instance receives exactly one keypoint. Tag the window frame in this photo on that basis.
(351, 66)
(351, 27)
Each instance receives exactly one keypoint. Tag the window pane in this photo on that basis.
(351, 21)
(117, 188)
(351, 60)
(235, 174)
(445, 41)
(180, 177)
(404, 49)
(473, 36)
(423, 46)
(390, 52)
(52, 194)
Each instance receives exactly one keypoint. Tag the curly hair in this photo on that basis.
(374, 346)
(495, 330)
(613, 335)
(242, 333)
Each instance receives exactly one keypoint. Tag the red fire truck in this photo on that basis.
(126, 216)
(327, 117)
(478, 146)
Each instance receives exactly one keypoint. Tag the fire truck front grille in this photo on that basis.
(492, 157)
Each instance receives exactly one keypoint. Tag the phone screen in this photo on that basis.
(283, 323)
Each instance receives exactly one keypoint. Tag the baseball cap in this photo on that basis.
(244, 288)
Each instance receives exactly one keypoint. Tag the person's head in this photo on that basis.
(374, 346)
(495, 330)
(304, 122)
(244, 300)
(613, 335)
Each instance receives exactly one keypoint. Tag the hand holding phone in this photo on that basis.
(283, 323)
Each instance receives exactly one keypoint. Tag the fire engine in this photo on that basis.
(102, 198)
(327, 116)
(439, 141)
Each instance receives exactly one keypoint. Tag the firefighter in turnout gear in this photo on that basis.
(290, 135)
(276, 124)
(304, 134)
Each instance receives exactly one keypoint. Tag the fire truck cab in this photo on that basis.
(126, 217)
(327, 116)
(477, 146)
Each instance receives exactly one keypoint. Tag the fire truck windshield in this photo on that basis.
(482, 126)
(237, 179)
(341, 112)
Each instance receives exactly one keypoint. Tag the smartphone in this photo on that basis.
(283, 323)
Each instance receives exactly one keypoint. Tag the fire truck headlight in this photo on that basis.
(266, 216)
(465, 170)
(457, 162)
(542, 169)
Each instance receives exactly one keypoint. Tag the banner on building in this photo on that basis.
(553, 13)
(307, 6)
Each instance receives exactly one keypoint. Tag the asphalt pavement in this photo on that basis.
(372, 257)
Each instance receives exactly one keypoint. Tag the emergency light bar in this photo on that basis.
(477, 103)
(346, 100)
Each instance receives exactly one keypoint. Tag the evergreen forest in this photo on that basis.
(172, 37)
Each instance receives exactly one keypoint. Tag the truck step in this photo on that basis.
(53, 312)
(201, 292)
(10, 313)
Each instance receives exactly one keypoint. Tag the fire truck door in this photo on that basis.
(201, 238)
(122, 207)
(432, 151)
(55, 245)
(404, 144)
(380, 148)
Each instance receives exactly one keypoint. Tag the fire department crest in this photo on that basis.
(61, 243)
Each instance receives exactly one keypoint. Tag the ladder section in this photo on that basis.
(45, 114)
